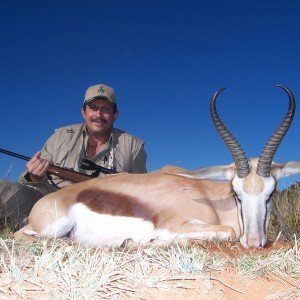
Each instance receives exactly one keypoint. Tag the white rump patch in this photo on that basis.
(60, 227)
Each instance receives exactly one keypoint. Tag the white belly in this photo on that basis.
(97, 229)
(102, 229)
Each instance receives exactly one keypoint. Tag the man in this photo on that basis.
(96, 139)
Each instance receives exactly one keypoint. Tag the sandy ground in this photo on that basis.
(227, 283)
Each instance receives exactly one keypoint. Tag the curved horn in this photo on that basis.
(266, 157)
(234, 147)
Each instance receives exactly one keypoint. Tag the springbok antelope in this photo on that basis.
(171, 203)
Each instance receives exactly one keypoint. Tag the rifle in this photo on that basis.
(68, 174)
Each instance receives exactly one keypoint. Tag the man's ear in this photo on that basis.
(116, 115)
(83, 112)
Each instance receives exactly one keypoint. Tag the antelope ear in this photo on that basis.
(280, 170)
(224, 173)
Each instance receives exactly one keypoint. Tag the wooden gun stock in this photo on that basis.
(67, 174)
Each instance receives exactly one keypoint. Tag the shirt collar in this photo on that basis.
(107, 146)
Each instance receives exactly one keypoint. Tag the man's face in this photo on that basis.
(99, 116)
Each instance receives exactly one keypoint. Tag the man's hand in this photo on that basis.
(37, 167)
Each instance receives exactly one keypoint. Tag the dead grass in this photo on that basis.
(59, 269)
(288, 204)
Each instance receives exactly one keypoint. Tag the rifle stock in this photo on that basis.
(63, 173)
(67, 174)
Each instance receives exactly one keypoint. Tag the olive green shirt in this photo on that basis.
(67, 147)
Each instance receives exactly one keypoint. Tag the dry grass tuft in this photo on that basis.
(288, 204)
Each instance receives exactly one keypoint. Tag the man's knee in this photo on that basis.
(16, 201)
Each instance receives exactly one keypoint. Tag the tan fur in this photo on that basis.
(253, 184)
(169, 202)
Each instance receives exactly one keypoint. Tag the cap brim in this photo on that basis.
(97, 97)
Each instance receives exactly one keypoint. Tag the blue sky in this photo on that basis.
(165, 60)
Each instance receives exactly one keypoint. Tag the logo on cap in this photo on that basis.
(101, 90)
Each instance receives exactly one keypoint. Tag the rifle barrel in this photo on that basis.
(14, 154)
(63, 173)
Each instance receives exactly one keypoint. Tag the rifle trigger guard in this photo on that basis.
(96, 173)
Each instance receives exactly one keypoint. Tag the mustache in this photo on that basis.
(95, 119)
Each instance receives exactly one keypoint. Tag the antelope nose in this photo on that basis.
(254, 241)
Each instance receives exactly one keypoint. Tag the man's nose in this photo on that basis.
(99, 112)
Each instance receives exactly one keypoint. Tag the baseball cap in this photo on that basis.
(100, 91)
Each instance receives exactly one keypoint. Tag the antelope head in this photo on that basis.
(253, 180)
